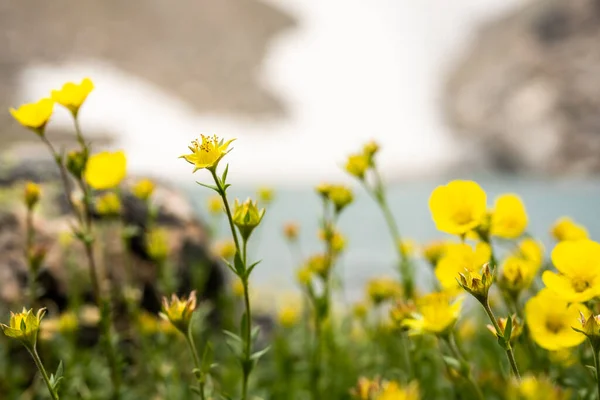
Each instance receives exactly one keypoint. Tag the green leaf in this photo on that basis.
(216, 189)
(224, 176)
(239, 265)
(255, 332)
(243, 323)
(230, 266)
(232, 336)
(256, 356)
(250, 268)
(207, 356)
(593, 369)
(452, 362)
(508, 328)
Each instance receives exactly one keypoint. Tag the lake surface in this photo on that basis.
(370, 251)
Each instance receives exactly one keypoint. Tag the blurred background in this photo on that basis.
(506, 92)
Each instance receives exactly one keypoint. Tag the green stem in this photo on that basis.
(248, 330)
(40, 366)
(223, 194)
(316, 361)
(509, 352)
(190, 340)
(30, 233)
(451, 342)
(597, 365)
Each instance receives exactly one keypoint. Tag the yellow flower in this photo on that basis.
(323, 189)
(290, 231)
(566, 229)
(247, 216)
(532, 388)
(67, 322)
(402, 310)
(478, 283)
(108, 205)
(533, 251)
(550, 320)
(215, 205)
(382, 289)
(24, 326)
(366, 388)
(590, 327)
(564, 357)
(144, 189)
(578, 263)
(304, 275)
(393, 391)
(517, 327)
(336, 239)
(436, 313)
(76, 161)
(105, 170)
(357, 165)
(509, 218)
(319, 264)
(207, 153)
(369, 150)
(265, 195)
(434, 251)
(31, 194)
(147, 323)
(289, 315)
(517, 274)
(460, 258)
(179, 311)
(407, 247)
(458, 207)
(34, 116)
(468, 329)
(340, 196)
(72, 95)
(237, 287)
(360, 310)
(157, 244)
(225, 249)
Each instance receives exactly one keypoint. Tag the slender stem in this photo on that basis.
(40, 366)
(190, 340)
(248, 330)
(451, 342)
(509, 352)
(597, 364)
(30, 233)
(316, 361)
(223, 195)
(80, 138)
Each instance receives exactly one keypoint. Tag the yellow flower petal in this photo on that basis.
(105, 170)
(458, 207)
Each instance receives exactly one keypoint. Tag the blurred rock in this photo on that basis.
(207, 53)
(65, 270)
(528, 89)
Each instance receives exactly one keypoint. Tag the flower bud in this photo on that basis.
(179, 311)
(590, 328)
(357, 165)
(246, 217)
(516, 330)
(434, 251)
(476, 284)
(76, 162)
(109, 205)
(370, 149)
(402, 310)
(31, 195)
(290, 231)
(157, 244)
(319, 264)
(24, 326)
(340, 196)
(144, 189)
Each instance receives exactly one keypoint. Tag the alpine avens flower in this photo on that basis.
(393, 391)
(383, 289)
(105, 170)
(31, 195)
(247, 216)
(566, 229)
(319, 264)
(73, 95)
(265, 195)
(24, 326)
(34, 116)
(215, 205)
(179, 311)
(434, 251)
(143, 189)
(289, 315)
(207, 152)
(532, 250)
(340, 196)
(401, 310)
(461, 258)
(357, 165)
(157, 244)
(76, 162)
(517, 274)
(509, 218)
(532, 388)
(369, 150)
(550, 320)
(590, 327)
(517, 327)
(477, 282)
(108, 205)
(578, 264)
(436, 313)
(458, 207)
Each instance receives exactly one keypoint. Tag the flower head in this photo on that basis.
(393, 391)
(533, 251)
(436, 313)
(566, 229)
(478, 282)
(225, 249)
(247, 216)
(369, 150)
(532, 388)
(207, 152)
(578, 264)
(31, 194)
(304, 275)
(357, 165)
(73, 95)
(319, 264)
(550, 320)
(290, 231)
(179, 311)
(34, 116)
(157, 244)
(590, 327)
(383, 289)
(517, 274)
(109, 205)
(76, 162)
(215, 205)
(461, 258)
(340, 196)
(458, 207)
(265, 195)
(289, 315)
(509, 218)
(434, 251)
(402, 310)
(407, 247)
(143, 189)
(24, 326)
(105, 170)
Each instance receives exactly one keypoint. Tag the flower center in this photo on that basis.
(462, 216)
(554, 325)
(580, 285)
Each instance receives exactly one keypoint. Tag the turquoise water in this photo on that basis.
(370, 251)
